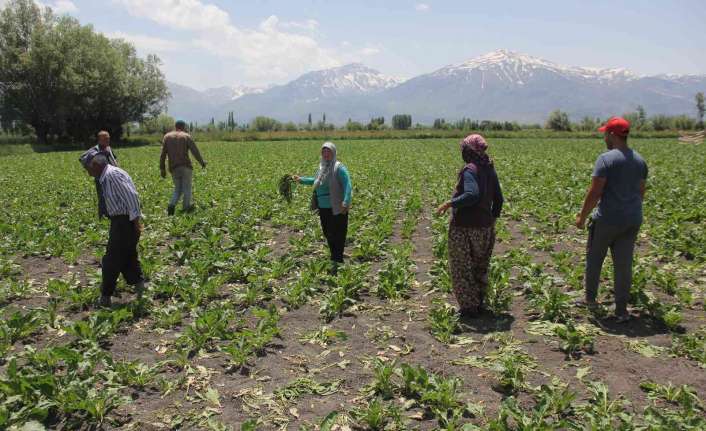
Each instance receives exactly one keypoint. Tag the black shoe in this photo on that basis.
(623, 318)
(333, 270)
(104, 302)
(170, 210)
(469, 313)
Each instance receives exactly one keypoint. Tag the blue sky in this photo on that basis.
(208, 43)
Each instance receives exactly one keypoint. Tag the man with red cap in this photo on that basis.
(618, 188)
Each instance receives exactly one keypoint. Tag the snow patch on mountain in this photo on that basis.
(352, 78)
(518, 69)
(243, 90)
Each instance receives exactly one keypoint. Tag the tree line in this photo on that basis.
(64, 81)
(639, 120)
(557, 121)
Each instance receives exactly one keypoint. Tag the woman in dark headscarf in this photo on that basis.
(332, 198)
(476, 204)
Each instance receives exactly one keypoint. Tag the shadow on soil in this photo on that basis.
(487, 323)
(641, 326)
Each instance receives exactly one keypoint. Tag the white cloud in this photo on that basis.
(310, 25)
(147, 44)
(179, 14)
(351, 54)
(266, 53)
(59, 7)
(422, 7)
(368, 51)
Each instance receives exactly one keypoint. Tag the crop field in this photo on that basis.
(243, 328)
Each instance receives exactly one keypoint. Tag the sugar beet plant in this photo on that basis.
(438, 396)
(395, 278)
(443, 321)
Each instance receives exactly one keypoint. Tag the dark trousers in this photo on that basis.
(335, 229)
(621, 241)
(121, 255)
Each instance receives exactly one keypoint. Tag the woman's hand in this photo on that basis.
(297, 178)
(345, 208)
(443, 207)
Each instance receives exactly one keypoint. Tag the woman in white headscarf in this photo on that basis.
(332, 198)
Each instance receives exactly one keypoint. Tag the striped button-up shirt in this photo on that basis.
(120, 193)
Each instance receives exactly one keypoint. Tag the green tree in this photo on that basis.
(354, 125)
(439, 123)
(558, 121)
(401, 121)
(265, 124)
(684, 122)
(641, 117)
(161, 123)
(230, 122)
(700, 108)
(662, 122)
(66, 81)
(376, 123)
(588, 124)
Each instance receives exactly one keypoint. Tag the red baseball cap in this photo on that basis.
(617, 126)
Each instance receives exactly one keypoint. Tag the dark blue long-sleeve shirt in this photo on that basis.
(471, 191)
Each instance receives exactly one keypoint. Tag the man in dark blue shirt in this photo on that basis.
(618, 188)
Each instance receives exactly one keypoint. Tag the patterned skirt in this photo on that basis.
(470, 249)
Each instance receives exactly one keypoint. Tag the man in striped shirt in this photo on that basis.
(103, 147)
(123, 207)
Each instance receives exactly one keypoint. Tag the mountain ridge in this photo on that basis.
(500, 85)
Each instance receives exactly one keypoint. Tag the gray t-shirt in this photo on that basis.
(621, 203)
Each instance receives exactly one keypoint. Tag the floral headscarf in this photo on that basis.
(473, 150)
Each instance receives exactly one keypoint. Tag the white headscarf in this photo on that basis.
(325, 167)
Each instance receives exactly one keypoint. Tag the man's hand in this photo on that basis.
(593, 196)
(443, 207)
(163, 173)
(580, 221)
(138, 226)
(297, 178)
(345, 208)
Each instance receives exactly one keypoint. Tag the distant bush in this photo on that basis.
(354, 126)
(558, 121)
(265, 124)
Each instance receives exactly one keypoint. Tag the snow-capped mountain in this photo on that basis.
(340, 93)
(350, 79)
(221, 95)
(517, 68)
(500, 85)
(244, 90)
(506, 86)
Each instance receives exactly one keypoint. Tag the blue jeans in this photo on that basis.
(621, 242)
(182, 177)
